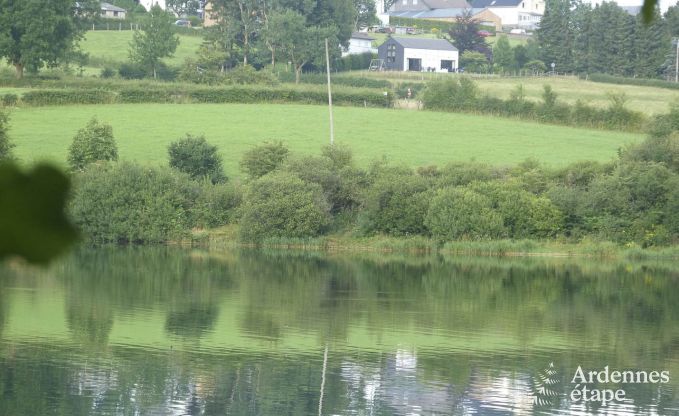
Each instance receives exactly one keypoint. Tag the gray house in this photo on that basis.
(416, 54)
(109, 11)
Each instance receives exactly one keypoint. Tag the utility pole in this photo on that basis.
(676, 62)
(327, 66)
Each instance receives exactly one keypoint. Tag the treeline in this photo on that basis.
(606, 39)
(632, 200)
(463, 95)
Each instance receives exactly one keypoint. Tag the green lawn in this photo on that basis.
(648, 100)
(416, 138)
(113, 46)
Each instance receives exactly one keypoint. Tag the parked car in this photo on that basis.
(518, 31)
(484, 33)
(182, 22)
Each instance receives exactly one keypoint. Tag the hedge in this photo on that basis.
(348, 81)
(197, 94)
(61, 97)
(644, 82)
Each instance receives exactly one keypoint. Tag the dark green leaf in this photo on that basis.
(33, 222)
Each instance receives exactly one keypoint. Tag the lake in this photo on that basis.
(172, 331)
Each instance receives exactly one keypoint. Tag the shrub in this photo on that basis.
(341, 183)
(456, 213)
(282, 205)
(131, 71)
(246, 74)
(62, 97)
(535, 67)
(215, 205)
(126, 202)
(10, 100)
(197, 158)
(6, 145)
(107, 73)
(396, 204)
(263, 159)
(93, 143)
(451, 94)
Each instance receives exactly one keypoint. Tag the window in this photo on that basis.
(523, 5)
(391, 53)
(115, 14)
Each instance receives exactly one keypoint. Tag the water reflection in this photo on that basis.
(171, 331)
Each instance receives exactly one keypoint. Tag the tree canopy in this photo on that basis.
(35, 33)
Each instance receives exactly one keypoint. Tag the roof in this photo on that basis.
(433, 14)
(421, 43)
(361, 35)
(424, 5)
(495, 3)
(107, 6)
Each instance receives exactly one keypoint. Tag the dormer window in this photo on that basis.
(523, 5)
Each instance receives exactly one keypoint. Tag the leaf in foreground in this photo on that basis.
(33, 221)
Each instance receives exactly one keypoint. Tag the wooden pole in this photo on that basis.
(327, 66)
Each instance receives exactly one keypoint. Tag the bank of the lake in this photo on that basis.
(226, 238)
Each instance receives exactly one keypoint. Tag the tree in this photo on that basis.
(473, 61)
(197, 158)
(282, 205)
(465, 34)
(93, 143)
(157, 40)
(6, 145)
(503, 56)
(365, 14)
(183, 7)
(35, 33)
(263, 159)
(555, 34)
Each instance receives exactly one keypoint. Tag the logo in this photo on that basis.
(545, 392)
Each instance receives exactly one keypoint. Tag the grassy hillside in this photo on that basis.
(113, 46)
(649, 100)
(415, 138)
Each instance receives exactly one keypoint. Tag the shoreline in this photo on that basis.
(227, 238)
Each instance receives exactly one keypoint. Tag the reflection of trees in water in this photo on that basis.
(192, 320)
(89, 319)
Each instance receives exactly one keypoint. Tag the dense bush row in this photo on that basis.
(644, 82)
(633, 200)
(318, 78)
(194, 94)
(462, 95)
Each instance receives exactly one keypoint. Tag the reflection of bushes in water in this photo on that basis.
(135, 277)
(89, 320)
(193, 320)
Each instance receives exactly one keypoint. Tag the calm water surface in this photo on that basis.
(165, 331)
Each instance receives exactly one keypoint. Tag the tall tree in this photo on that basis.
(555, 34)
(503, 55)
(651, 44)
(465, 35)
(35, 33)
(365, 14)
(183, 7)
(157, 40)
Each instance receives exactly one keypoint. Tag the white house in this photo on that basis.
(417, 54)
(525, 14)
(150, 3)
(109, 11)
(360, 42)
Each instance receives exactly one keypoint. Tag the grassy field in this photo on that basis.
(648, 100)
(113, 46)
(415, 138)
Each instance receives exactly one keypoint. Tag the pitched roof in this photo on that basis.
(424, 5)
(438, 13)
(107, 6)
(421, 43)
(480, 4)
(361, 35)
